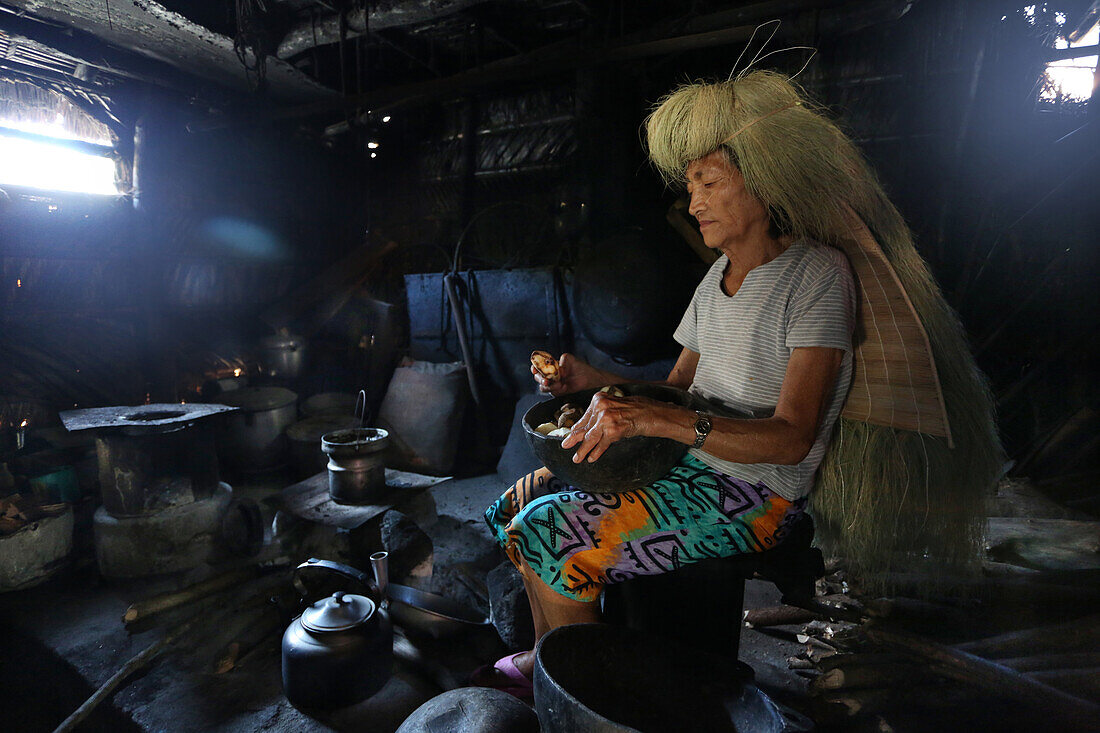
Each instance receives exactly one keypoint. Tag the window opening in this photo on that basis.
(47, 143)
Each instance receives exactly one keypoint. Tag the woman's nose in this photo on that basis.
(696, 203)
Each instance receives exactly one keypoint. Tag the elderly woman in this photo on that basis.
(768, 333)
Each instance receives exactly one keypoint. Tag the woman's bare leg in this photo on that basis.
(550, 610)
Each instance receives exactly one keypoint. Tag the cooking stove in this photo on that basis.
(165, 508)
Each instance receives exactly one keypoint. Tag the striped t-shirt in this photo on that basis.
(804, 297)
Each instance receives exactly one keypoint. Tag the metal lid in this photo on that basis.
(311, 429)
(258, 399)
(355, 438)
(340, 612)
(329, 402)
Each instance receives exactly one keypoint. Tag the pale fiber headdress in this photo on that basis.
(891, 485)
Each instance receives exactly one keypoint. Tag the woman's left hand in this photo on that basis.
(608, 419)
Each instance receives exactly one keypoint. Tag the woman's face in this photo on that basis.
(727, 213)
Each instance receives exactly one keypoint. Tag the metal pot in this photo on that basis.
(253, 438)
(340, 650)
(356, 464)
(283, 356)
(610, 679)
(305, 441)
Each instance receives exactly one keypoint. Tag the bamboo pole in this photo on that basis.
(167, 601)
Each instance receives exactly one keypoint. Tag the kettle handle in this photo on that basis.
(346, 571)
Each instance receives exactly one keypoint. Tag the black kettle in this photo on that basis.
(339, 651)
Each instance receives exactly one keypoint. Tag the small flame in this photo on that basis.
(183, 402)
(18, 282)
(23, 424)
(237, 372)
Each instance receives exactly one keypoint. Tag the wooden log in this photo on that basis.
(778, 616)
(233, 653)
(1060, 707)
(1049, 590)
(167, 601)
(912, 610)
(928, 697)
(859, 659)
(136, 663)
(1083, 682)
(870, 676)
(1067, 660)
(800, 663)
(1072, 636)
(834, 613)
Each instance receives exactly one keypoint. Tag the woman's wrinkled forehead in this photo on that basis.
(709, 166)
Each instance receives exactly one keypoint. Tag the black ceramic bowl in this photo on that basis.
(627, 464)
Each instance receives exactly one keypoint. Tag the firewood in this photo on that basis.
(233, 653)
(136, 663)
(167, 601)
(798, 663)
(859, 659)
(1083, 682)
(778, 616)
(1073, 636)
(870, 676)
(1060, 707)
(1065, 660)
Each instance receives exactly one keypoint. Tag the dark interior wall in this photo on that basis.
(943, 103)
(548, 170)
(121, 300)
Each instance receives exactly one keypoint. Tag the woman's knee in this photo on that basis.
(533, 486)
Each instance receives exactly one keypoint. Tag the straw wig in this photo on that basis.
(884, 495)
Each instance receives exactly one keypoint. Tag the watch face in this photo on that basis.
(703, 425)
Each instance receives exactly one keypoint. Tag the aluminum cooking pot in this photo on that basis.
(339, 651)
(283, 356)
(253, 437)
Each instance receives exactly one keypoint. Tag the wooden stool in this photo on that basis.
(700, 604)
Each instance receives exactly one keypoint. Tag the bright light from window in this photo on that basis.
(1071, 79)
(52, 167)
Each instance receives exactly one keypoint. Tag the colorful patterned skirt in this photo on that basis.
(577, 542)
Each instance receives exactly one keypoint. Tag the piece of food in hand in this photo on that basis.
(568, 415)
(613, 391)
(546, 428)
(546, 365)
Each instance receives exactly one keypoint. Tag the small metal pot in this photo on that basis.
(283, 356)
(356, 464)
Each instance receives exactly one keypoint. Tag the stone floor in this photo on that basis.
(67, 638)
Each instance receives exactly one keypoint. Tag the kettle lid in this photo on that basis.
(339, 612)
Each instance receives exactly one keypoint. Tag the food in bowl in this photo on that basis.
(626, 464)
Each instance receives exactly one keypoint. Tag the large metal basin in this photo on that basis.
(599, 678)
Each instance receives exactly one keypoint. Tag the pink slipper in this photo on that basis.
(517, 684)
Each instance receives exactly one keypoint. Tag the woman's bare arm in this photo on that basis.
(784, 438)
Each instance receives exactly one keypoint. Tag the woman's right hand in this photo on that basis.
(573, 375)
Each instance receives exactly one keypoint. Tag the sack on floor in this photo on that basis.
(423, 410)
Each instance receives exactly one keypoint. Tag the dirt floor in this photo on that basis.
(66, 637)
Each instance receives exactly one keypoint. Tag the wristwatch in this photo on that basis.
(703, 427)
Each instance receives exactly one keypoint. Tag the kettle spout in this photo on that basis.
(381, 566)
